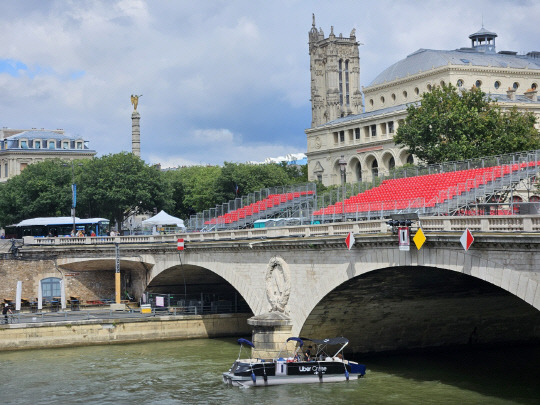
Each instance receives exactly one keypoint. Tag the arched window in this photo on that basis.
(375, 168)
(410, 160)
(391, 163)
(460, 83)
(359, 172)
(478, 83)
(497, 84)
(50, 287)
(534, 198)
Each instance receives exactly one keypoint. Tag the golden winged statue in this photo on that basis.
(135, 101)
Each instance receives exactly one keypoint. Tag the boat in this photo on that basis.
(312, 365)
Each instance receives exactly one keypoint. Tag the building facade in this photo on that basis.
(363, 135)
(20, 148)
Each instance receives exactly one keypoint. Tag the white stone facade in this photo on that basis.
(365, 139)
(22, 147)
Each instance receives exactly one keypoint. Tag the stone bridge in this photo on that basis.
(303, 281)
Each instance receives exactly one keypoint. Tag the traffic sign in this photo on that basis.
(466, 239)
(404, 241)
(349, 240)
(419, 238)
(180, 245)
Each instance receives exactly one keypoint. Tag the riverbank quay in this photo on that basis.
(114, 328)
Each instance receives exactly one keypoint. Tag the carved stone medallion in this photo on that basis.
(278, 284)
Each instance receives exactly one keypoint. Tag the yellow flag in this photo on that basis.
(419, 238)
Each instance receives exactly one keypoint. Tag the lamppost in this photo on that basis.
(342, 165)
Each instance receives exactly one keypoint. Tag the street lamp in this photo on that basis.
(342, 165)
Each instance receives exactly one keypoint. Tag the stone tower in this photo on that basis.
(135, 127)
(135, 134)
(335, 76)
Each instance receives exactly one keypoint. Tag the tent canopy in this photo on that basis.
(163, 219)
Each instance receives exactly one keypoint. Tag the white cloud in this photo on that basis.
(202, 66)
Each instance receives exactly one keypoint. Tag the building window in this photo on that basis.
(340, 74)
(359, 172)
(24, 144)
(373, 130)
(5, 170)
(410, 160)
(534, 86)
(371, 101)
(460, 83)
(375, 168)
(393, 97)
(65, 145)
(391, 163)
(347, 83)
(497, 84)
(417, 90)
(442, 83)
(79, 145)
(357, 133)
(429, 87)
(515, 85)
(534, 198)
(342, 136)
(382, 99)
(478, 83)
(37, 144)
(336, 137)
(390, 127)
(52, 145)
(50, 288)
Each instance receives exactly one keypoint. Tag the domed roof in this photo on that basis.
(424, 60)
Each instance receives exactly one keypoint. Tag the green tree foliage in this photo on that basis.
(193, 189)
(42, 189)
(112, 185)
(455, 125)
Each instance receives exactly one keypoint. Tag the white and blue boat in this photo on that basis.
(313, 365)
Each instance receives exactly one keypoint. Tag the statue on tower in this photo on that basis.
(135, 101)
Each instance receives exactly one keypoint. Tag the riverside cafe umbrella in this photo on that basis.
(166, 221)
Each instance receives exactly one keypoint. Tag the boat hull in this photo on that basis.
(235, 381)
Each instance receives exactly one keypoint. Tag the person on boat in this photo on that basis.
(308, 353)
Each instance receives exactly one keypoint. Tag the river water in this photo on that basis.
(189, 372)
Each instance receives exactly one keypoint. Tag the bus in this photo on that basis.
(57, 227)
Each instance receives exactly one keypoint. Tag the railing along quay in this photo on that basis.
(488, 223)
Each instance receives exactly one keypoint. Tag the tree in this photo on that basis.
(452, 125)
(114, 184)
(42, 189)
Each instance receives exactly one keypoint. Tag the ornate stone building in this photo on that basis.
(364, 134)
(21, 147)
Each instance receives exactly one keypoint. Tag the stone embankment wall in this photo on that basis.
(111, 331)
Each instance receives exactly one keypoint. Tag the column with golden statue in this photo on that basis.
(135, 127)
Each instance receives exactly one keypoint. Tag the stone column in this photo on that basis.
(270, 332)
(135, 134)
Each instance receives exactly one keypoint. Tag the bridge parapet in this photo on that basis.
(508, 223)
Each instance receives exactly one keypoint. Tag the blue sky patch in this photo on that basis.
(12, 67)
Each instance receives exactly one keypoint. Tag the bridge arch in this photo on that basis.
(519, 284)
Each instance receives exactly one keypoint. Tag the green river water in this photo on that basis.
(189, 372)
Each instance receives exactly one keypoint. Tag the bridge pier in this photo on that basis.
(270, 332)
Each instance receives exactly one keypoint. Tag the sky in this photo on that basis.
(221, 81)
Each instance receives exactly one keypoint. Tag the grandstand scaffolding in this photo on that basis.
(295, 201)
(483, 186)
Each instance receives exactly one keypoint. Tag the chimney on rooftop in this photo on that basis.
(511, 93)
(531, 94)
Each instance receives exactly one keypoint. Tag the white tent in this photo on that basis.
(164, 219)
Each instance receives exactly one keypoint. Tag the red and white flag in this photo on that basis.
(466, 239)
(349, 240)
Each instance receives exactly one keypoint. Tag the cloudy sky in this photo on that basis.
(221, 80)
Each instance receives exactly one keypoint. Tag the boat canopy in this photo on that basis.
(296, 339)
(331, 341)
(245, 341)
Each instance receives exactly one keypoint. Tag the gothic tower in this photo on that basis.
(335, 76)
